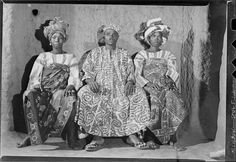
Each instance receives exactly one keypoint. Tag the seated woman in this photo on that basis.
(156, 72)
(51, 93)
(110, 106)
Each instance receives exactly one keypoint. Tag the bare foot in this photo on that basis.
(136, 142)
(179, 147)
(24, 143)
(96, 144)
(152, 145)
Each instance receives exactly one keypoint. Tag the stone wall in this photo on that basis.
(189, 26)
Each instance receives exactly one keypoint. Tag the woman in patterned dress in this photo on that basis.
(51, 93)
(156, 72)
(109, 104)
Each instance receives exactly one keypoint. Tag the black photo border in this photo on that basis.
(230, 147)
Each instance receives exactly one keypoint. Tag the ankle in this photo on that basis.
(133, 138)
(98, 139)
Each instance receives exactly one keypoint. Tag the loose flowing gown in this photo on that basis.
(47, 110)
(167, 108)
(110, 113)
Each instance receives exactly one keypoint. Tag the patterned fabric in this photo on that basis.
(56, 25)
(47, 59)
(113, 27)
(60, 77)
(110, 112)
(148, 27)
(167, 108)
(47, 110)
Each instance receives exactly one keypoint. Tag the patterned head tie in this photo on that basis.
(101, 31)
(112, 26)
(147, 28)
(57, 25)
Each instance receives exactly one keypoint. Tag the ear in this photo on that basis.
(65, 39)
(117, 35)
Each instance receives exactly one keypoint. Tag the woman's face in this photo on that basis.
(57, 40)
(155, 39)
(111, 37)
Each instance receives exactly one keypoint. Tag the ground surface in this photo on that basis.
(113, 148)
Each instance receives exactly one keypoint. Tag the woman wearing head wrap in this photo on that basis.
(156, 72)
(110, 106)
(51, 91)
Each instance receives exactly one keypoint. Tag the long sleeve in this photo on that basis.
(139, 62)
(35, 75)
(89, 67)
(172, 67)
(74, 74)
(80, 64)
(130, 70)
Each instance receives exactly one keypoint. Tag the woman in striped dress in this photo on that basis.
(156, 73)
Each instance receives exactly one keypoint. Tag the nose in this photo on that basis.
(110, 36)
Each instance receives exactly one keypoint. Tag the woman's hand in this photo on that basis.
(70, 91)
(170, 83)
(93, 85)
(81, 74)
(37, 87)
(129, 88)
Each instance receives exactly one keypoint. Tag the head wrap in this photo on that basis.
(147, 28)
(102, 29)
(112, 26)
(56, 25)
(156, 21)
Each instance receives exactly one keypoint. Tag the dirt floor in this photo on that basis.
(113, 148)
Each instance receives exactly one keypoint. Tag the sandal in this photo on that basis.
(179, 147)
(152, 145)
(94, 145)
(139, 145)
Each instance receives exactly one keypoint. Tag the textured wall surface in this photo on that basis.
(189, 29)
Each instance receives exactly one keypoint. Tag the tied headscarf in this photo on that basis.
(112, 26)
(102, 29)
(56, 25)
(147, 28)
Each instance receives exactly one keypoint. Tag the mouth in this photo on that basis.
(111, 41)
(157, 42)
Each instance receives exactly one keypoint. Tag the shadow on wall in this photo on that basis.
(40, 37)
(209, 107)
(208, 89)
(17, 101)
(190, 130)
(193, 129)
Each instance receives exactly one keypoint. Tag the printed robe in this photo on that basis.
(46, 108)
(167, 108)
(110, 113)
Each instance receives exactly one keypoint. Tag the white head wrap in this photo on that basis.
(151, 21)
(157, 25)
